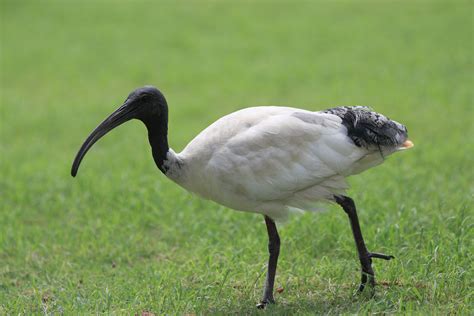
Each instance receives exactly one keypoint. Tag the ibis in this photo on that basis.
(269, 160)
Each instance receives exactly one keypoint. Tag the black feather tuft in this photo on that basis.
(367, 128)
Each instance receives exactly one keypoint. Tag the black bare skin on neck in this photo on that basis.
(158, 137)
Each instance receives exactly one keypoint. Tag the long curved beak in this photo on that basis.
(118, 117)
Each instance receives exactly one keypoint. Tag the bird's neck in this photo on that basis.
(157, 126)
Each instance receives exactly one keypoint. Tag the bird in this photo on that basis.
(269, 160)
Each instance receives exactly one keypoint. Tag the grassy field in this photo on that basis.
(121, 238)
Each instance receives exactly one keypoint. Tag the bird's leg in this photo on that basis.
(274, 250)
(365, 256)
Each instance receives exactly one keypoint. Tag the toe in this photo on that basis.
(380, 256)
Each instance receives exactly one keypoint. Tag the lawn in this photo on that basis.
(122, 239)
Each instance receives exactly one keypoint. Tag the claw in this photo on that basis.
(370, 277)
(261, 305)
(264, 304)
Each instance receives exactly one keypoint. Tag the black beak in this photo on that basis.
(120, 116)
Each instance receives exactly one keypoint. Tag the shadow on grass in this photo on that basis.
(317, 303)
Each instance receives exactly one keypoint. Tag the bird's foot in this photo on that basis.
(368, 276)
(263, 303)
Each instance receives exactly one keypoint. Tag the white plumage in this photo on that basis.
(270, 159)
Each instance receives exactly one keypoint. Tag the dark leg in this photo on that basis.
(365, 256)
(274, 249)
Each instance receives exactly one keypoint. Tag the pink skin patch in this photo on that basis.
(408, 144)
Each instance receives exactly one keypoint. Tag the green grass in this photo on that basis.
(121, 238)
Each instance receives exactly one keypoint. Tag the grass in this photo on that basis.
(121, 238)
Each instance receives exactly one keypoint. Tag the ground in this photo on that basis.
(121, 238)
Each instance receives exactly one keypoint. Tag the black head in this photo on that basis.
(146, 104)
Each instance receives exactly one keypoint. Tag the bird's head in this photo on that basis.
(146, 104)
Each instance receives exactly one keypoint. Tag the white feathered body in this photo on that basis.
(271, 159)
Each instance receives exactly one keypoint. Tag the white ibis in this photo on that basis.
(268, 160)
